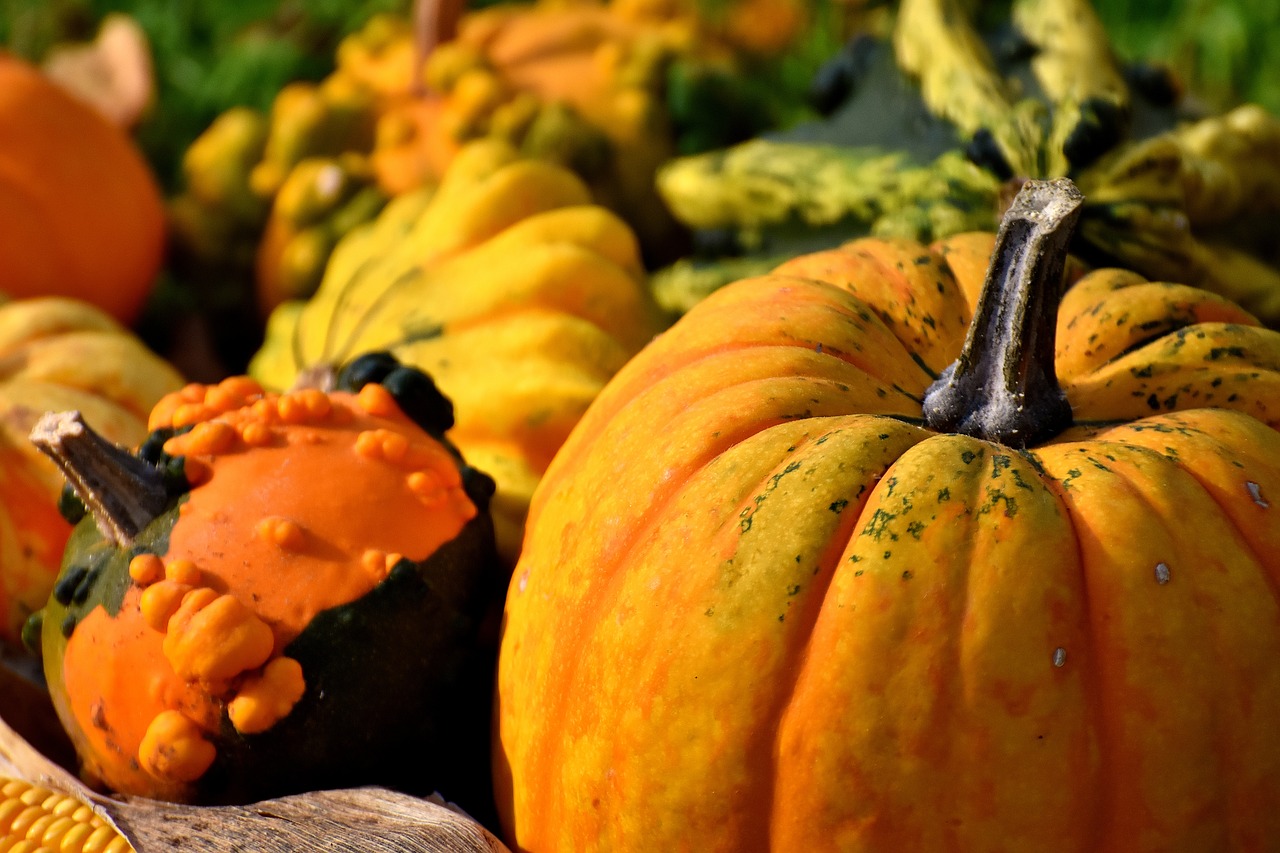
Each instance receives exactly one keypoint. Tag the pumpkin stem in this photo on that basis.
(434, 23)
(123, 492)
(1003, 388)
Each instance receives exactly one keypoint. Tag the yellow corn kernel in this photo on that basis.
(182, 571)
(67, 807)
(35, 796)
(175, 748)
(73, 839)
(23, 820)
(102, 840)
(265, 700)
(56, 830)
(146, 569)
(9, 809)
(214, 637)
(35, 819)
(280, 531)
(40, 826)
(118, 844)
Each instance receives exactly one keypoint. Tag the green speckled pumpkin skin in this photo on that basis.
(760, 606)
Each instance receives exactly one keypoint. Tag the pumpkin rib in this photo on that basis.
(1102, 778)
(921, 645)
(731, 323)
(1212, 628)
(1174, 367)
(1216, 449)
(894, 290)
(1161, 309)
(604, 593)
(1093, 695)
(768, 729)
(84, 360)
(1129, 465)
(338, 350)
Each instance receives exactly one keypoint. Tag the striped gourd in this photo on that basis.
(35, 819)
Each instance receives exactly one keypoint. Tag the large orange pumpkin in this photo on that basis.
(80, 210)
(58, 354)
(793, 584)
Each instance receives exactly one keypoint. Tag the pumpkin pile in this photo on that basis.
(640, 425)
(508, 284)
(578, 84)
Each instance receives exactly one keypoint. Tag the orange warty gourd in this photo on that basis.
(276, 593)
(59, 353)
(794, 583)
(81, 212)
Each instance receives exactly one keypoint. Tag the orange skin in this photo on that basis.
(32, 536)
(272, 520)
(81, 212)
(753, 612)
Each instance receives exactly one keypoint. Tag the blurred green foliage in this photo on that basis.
(208, 55)
(1227, 52)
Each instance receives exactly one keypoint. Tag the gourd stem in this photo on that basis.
(1003, 387)
(434, 23)
(123, 492)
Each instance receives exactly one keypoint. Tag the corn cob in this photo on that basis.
(35, 819)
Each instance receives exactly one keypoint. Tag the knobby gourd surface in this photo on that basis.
(275, 594)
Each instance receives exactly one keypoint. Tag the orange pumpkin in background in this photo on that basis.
(80, 210)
